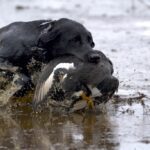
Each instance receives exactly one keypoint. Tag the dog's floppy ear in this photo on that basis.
(112, 68)
(48, 34)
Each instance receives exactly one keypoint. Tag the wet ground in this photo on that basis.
(123, 34)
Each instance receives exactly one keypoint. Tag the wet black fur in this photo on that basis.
(42, 40)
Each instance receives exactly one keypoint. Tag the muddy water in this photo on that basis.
(121, 125)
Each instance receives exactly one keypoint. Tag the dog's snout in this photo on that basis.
(95, 58)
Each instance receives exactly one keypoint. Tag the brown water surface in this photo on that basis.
(119, 125)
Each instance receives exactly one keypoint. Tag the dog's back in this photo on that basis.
(17, 39)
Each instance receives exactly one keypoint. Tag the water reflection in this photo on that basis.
(27, 130)
(123, 126)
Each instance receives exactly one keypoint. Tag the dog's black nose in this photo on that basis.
(94, 58)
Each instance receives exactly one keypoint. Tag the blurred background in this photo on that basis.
(15, 10)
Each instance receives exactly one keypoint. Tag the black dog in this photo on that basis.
(72, 75)
(42, 40)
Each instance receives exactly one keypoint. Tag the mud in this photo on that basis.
(120, 125)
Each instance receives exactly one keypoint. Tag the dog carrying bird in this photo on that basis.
(71, 78)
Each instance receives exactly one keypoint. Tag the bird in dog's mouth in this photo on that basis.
(84, 83)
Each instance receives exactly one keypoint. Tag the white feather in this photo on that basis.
(65, 76)
(78, 94)
(49, 82)
(95, 91)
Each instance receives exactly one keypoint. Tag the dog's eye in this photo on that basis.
(77, 39)
(89, 39)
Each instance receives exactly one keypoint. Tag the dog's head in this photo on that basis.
(66, 37)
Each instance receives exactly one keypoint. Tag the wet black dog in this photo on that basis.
(42, 40)
(65, 76)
